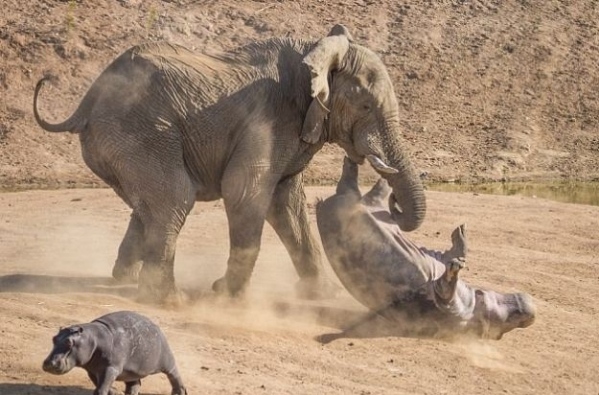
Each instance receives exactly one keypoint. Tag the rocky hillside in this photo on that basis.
(488, 89)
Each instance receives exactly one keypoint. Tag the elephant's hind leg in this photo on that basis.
(161, 195)
(162, 224)
(129, 259)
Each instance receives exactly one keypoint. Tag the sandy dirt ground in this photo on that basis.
(58, 247)
(487, 90)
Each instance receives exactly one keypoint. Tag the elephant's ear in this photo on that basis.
(326, 55)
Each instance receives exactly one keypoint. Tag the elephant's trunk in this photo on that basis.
(407, 202)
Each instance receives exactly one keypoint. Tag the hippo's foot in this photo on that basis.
(459, 245)
(126, 273)
(379, 192)
(179, 391)
(453, 267)
(132, 387)
(316, 288)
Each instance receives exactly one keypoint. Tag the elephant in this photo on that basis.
(166, 127)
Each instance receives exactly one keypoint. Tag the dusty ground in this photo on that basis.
(267, 345)
(487, 90)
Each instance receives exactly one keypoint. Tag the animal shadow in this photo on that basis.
(352, 324)
(36, 389)
(34, 283)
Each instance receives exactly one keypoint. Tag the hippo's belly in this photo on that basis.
(373, 261)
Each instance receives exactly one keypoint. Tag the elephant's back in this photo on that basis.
(169, 56)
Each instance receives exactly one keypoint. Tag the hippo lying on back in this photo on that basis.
(402, 282)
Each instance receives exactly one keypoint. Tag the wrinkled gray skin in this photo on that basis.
(165, 127)
(121, 346)
(394, 278)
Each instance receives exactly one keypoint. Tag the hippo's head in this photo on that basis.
(497, 313)
(71, 349)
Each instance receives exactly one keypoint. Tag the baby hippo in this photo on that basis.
(122, 346)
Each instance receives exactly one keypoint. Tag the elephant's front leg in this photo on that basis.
(246, 197)
(288, 216)
(245, 233)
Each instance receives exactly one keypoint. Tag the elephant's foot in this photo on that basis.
(155, 287)
(316, 288)
(126, 273)
(230, 287)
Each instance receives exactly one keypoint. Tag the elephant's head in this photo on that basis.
(355, 105)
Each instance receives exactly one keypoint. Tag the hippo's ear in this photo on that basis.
(75, 330)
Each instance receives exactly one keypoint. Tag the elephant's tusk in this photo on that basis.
(322, 104)
(381, 166)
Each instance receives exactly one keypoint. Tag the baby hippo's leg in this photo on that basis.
(132, 387)
(105, 382)
(175, 379)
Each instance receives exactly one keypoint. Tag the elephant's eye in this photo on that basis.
(366, 107)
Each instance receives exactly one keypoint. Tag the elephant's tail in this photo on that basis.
(72, 124)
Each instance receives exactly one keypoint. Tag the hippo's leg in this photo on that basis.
(459, 245)
(132, 387)
(446, 285)
(175, 379)
(377, 194)
(348, 183)
(105, 381)
(93, 378)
